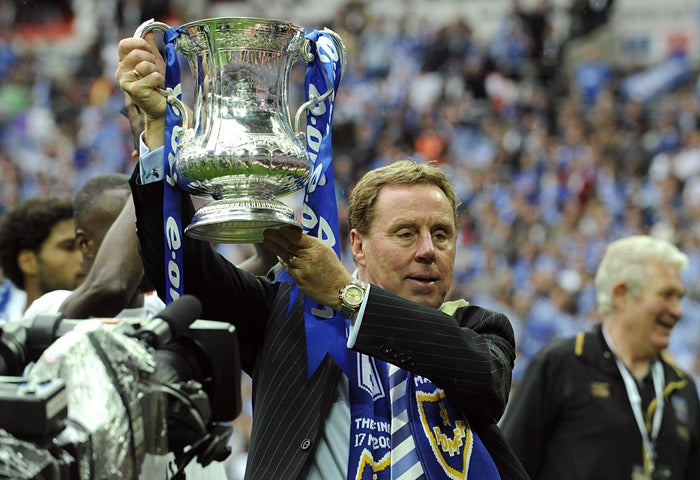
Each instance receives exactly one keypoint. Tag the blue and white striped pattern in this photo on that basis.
(405, 464)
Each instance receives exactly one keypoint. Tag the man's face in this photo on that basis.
(656, 311)
(410, 249)
(60, 261)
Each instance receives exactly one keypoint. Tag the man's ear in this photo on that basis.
(28, 262)
(357, 247)
(619, 292)
(85, 245)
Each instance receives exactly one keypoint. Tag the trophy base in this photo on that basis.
(240, 220)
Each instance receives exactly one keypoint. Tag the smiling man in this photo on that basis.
(609, 403)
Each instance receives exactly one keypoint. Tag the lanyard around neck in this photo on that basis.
(635, 399)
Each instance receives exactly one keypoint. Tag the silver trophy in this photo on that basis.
(240, 148)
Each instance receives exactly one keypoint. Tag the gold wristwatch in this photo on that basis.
(351, 297)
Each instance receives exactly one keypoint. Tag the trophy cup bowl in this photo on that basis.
(240, 149)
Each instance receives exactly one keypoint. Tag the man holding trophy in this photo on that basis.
(364, 376)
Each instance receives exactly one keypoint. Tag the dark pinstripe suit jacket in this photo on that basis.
(469, 355)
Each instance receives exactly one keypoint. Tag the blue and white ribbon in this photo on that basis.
(172, 213)
(325, 329)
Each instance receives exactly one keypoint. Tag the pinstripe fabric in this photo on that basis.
(405, 464)
(473, 365)
(471, 356)
(463, 355)
(285, 431)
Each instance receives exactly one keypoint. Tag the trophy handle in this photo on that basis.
(309, 57)
(149, 25)
(170, 97)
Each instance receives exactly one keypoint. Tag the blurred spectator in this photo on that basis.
(98, 203)
(592, 76)
(38, 252)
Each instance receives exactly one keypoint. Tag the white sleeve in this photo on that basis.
(48, 304)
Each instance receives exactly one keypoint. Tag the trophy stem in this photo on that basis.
(239, 220)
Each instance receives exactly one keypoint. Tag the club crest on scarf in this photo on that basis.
(447, 447)
(446, 444)
(447, 433)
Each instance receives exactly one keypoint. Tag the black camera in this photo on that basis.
(92, 399)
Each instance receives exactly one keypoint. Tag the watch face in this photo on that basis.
(353, 295)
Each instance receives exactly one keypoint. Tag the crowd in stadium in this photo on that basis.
(551, 164)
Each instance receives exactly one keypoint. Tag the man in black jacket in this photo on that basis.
(609, 403)
(458, 358)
